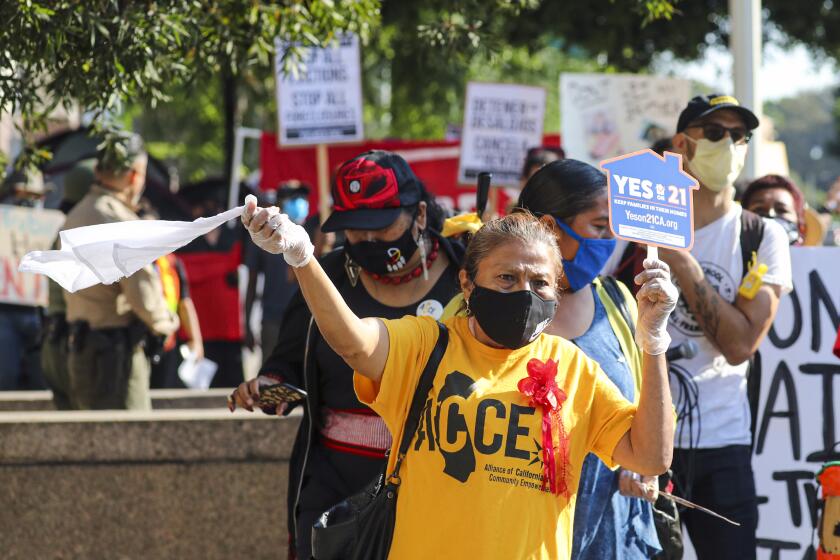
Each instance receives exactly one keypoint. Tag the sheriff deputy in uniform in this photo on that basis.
(108, 368)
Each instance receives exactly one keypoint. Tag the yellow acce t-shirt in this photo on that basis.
(472, 479)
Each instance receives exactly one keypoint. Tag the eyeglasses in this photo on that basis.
(716, 132)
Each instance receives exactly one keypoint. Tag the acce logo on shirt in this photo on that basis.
(501, 430)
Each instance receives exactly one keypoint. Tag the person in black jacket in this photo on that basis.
(394, 263)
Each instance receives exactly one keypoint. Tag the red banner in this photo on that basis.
(434, 162)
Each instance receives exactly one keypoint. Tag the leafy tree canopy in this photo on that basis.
(418, 55)
(98, 53)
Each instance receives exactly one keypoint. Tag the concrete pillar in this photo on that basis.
(745, 44)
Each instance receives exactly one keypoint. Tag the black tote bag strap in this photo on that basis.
(424, 385)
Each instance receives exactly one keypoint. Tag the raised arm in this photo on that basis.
(647, 447)
(362, 343)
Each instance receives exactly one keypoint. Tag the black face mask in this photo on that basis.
(383, 257)
(512, 319)
(791, 229)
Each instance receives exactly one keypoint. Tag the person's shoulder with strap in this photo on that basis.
(410, 339)
(751, 234)
(771, 248)
(622, 312)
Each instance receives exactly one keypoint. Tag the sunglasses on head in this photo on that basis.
(715, 132)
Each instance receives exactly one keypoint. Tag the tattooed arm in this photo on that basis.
(735, 329)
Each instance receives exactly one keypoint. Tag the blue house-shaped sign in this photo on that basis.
(650, 199)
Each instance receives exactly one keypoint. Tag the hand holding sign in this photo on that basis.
(651, 203)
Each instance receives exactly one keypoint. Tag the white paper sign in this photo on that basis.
(501, 122)
(23, 230)
(800, 401)
(606, 115)
(799, 406)
(323, 103)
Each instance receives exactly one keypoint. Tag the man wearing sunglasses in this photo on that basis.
(712, 452)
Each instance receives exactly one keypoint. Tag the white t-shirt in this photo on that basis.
(724, 412)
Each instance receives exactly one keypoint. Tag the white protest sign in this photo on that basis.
(501, 122)
(798, 406)
(606, 115)
(323, 103)
(23, 230)
(797, 417)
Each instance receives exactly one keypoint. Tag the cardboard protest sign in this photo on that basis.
(650, 199)
(501, 122)
(606, 115)
(23, 230)
(323, 103)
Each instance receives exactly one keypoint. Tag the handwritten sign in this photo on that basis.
(606, 115)
(323, 103)
(501, 122)
(23, 230)
(797, 427)
(650, 199)
(797, 422)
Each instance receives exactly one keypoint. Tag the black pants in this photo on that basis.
(331, 476)
(720, 479)
(228, 356)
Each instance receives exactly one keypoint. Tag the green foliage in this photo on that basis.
(100, 52)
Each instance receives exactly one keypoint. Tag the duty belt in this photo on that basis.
(357, 432)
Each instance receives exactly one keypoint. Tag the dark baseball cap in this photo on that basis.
(703, 105)
(370, 190)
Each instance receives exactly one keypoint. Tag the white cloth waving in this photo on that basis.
(105, 253)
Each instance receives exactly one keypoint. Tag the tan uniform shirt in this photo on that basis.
(116, 305)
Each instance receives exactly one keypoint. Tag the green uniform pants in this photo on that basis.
(54, 365)
(107, 371)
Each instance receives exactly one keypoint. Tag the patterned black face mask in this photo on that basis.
(384, 257)
(512, 319)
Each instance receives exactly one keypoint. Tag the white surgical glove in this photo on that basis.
(657, 298)
(275, 233)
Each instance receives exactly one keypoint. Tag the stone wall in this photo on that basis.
(163, 484)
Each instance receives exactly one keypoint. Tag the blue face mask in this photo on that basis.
(297, 209)
(591, 256)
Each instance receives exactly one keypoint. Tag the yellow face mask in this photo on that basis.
(717, 164)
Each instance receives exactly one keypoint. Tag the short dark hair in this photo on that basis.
(563, 189)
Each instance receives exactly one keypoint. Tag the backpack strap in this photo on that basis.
(617, 297)
(621, 311)
(752, 232)
(424, 385)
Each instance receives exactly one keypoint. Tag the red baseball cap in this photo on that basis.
(370, 190)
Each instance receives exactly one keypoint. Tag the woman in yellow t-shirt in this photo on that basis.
(494, 466)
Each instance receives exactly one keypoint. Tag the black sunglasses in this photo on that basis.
(715, 132)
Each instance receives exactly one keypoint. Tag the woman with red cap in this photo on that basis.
(394, 263)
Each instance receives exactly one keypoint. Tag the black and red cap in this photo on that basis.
(370, 190)
(703, 105)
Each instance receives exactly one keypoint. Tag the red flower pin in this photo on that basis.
(542, 391)
(541, 385)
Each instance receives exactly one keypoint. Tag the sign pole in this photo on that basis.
(493, 206)
(653, 252)
(322, 164)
